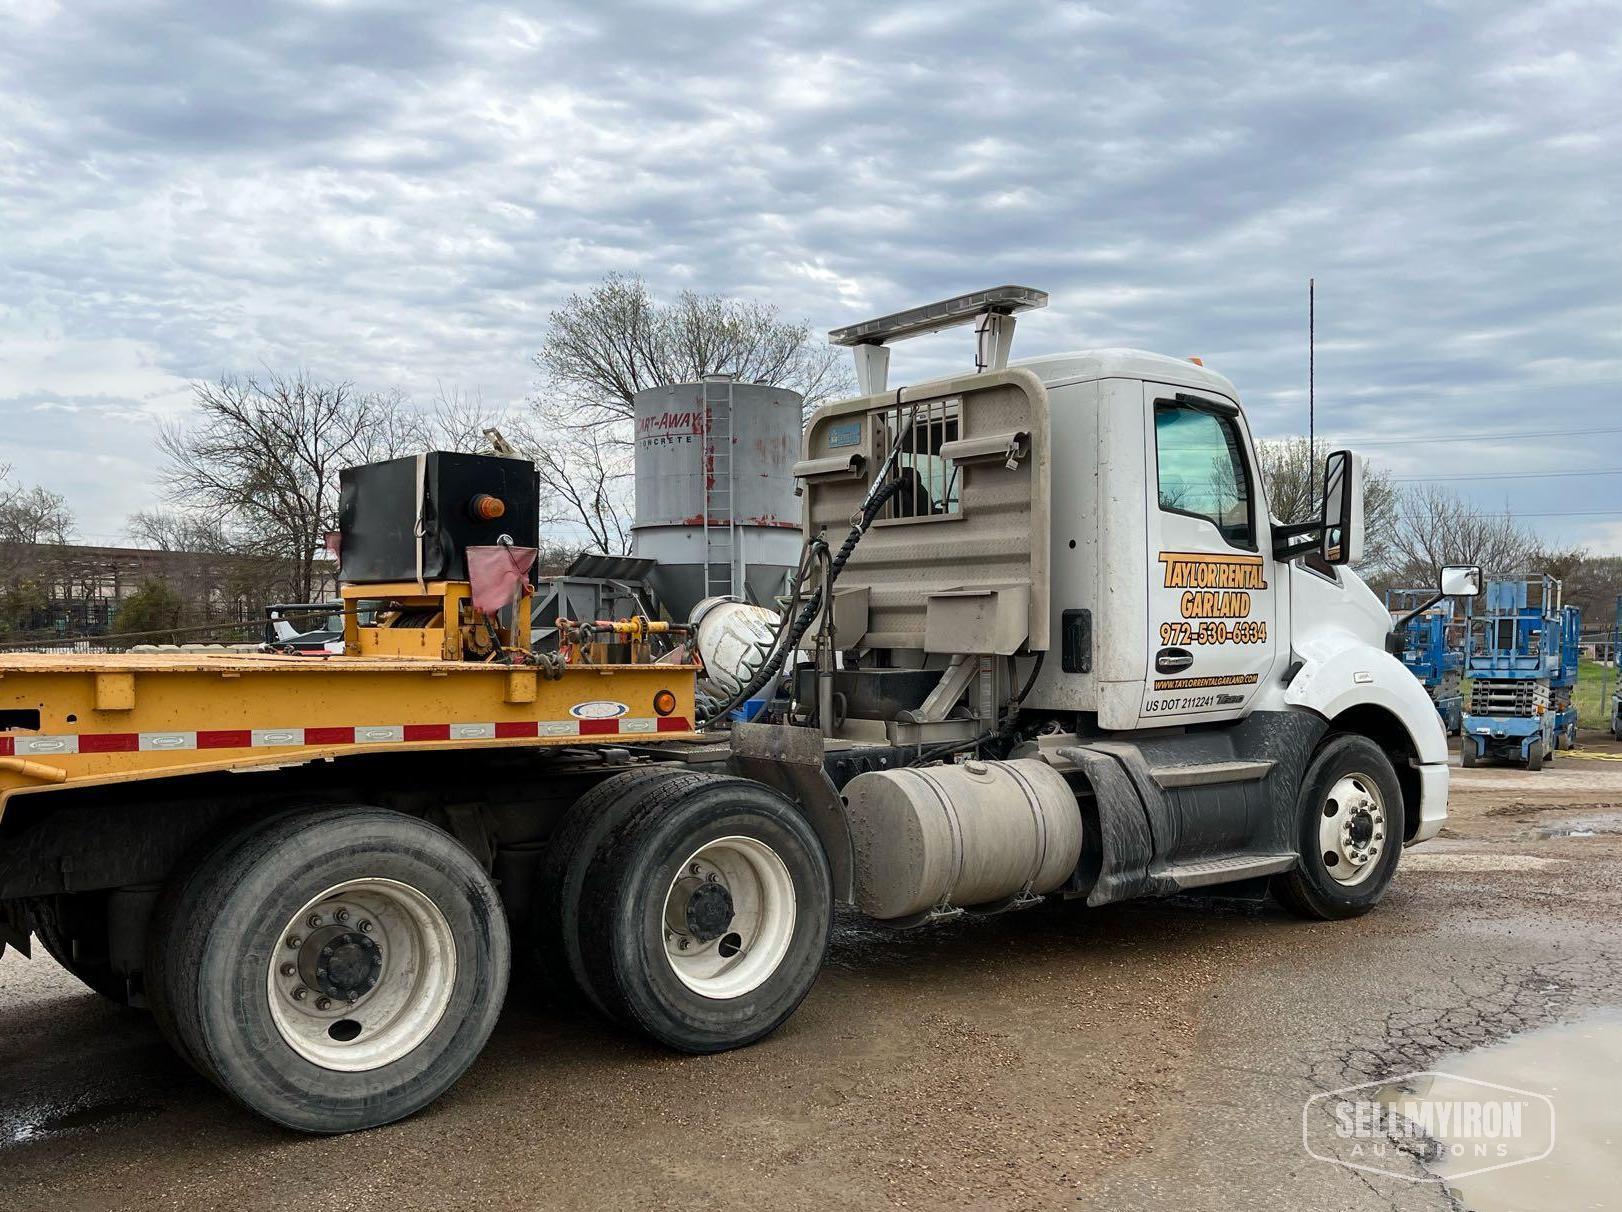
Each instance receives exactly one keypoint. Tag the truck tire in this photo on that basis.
(388, 994)
(1350, 827)
(705, 913)
(1535, 756)
(555, 908)
(1467, 751)
(52, 918)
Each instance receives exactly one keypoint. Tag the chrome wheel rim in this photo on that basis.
(1353, 829)
(362, 974)
(729, 917)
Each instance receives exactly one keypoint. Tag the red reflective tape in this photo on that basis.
(109, 742)
(8, 746)
(329, 736)
(225, 739)
(674, 723)
(516, 728)
(599, 727)
(427, 732)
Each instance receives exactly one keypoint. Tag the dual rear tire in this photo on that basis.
(691, 908)
(340, 968)
(330, 970)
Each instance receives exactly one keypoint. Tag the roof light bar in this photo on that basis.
(932, 317)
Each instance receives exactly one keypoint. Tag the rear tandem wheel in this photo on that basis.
(692, 908)
(331, 970)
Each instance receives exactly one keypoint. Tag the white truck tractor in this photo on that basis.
(1045, 643)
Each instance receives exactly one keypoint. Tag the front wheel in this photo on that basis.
(331, 970)
(1535, 756)
(704, 915)
(1349, 831)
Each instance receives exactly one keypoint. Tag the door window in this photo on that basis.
(1202, 469)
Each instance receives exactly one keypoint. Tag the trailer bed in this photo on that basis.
(78, 719)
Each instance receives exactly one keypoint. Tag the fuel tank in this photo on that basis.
(966, 835)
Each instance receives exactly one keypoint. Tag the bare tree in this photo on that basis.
(262, 454)
(1595, 587)
(32, 515)
(586, 478)
(177, 530)
(604, 346)
(1437, 527)
(35, 526)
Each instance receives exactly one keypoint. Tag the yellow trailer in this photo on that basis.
(316, 871)
(93, 720)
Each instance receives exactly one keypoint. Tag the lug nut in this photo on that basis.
(295, 941)
(315, 920)
(300, 993)
(289, 969)
(681, 944)
(323, 1003)
(365, 927)
(696, 869)
(341, 916)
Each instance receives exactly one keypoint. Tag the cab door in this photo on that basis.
(1212, 614)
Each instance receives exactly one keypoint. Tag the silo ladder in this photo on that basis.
(720, 525)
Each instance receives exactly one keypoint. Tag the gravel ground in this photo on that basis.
(1143, 1056)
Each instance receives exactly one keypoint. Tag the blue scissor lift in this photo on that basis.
(1522, 665)
(1616, 667)
(1433, 650)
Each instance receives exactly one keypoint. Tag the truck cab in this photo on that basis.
(1083, 568)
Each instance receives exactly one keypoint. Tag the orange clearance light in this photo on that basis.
(664, 702)
(1197, 361)
(486, 508)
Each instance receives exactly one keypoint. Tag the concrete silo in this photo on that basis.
(715, 503)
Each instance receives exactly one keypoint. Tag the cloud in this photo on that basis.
(399, 193)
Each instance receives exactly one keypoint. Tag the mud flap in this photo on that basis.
(791, 760)
(15, 928)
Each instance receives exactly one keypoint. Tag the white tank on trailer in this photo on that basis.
(715, 503)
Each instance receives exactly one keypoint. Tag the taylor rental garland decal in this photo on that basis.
(1214, 586)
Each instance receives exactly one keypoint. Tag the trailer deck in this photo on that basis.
(84, 719)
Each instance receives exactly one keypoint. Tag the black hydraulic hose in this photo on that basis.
(1030, 682)
(813, 604)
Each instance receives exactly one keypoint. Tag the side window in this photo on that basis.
(1202, 469)
(930, 484)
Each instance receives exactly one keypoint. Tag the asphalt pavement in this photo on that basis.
(1150, 1055)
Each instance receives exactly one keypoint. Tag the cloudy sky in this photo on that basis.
(398, 193)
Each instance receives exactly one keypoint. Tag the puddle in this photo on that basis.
(1609, 823)
(72, 1121)
(1481, 1109)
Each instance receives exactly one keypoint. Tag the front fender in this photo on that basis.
(1340, 671)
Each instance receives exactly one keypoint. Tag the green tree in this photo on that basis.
(153, 607)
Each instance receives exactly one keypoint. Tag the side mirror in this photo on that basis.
(1342, 541)
(1460, 581)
